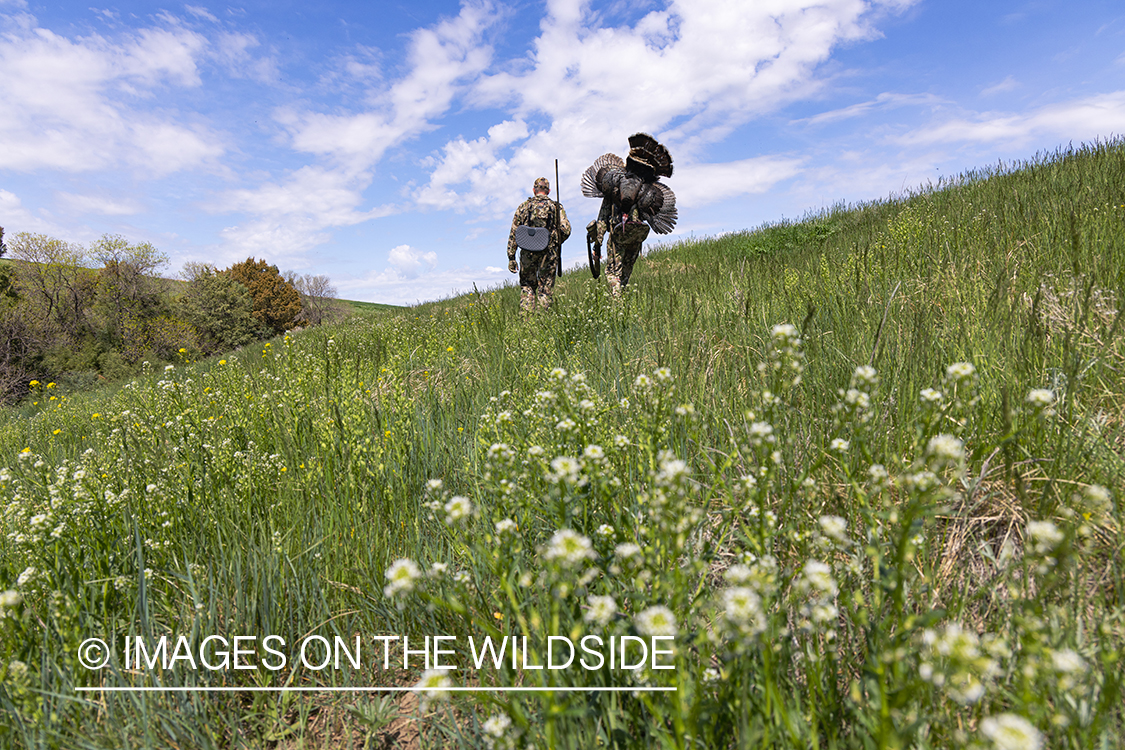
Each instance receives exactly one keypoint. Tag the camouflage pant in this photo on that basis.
(537, 278)
(622, 252)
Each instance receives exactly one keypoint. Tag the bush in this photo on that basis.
(221, 309)
(276, 303)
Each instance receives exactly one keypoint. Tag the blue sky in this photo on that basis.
(387, 144)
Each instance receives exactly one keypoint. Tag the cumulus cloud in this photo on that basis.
(288, 217)
(689, 73)
(70, 103)
(410, 262)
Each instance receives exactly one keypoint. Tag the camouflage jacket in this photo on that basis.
(625, 230)
(539, 211)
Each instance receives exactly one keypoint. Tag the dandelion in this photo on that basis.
(402, 575)
(657, 620)
(1011, 732)
(569, 548)
(600, 610)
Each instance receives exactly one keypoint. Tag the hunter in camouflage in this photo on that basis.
(537, 268)
(623, 238)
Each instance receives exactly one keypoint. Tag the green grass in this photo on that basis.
(268, 492)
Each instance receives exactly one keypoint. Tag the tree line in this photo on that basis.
(76, 314)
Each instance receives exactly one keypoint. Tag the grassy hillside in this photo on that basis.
(865, 467)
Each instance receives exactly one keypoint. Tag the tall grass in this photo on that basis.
(838, 580)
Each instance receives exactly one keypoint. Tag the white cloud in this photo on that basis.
(885, 100)
(439, 58)
(409, 262)
(689, 73)
(199, 12)
(99, 204)
(290, 217)
(69, 104)
(391, 287)
(15, 217)
(700, 184)
(1084, 119)
(1008, 84)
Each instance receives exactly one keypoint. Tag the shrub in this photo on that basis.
(276, 303)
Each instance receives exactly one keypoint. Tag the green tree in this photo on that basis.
(276, 303)
(220, 308)
(128, 287)
(54, 283)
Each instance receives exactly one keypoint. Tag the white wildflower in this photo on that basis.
(657, 620)
(601, 610)
(1011, 732)
(1044, 535)
(457, 509)
(834, 527)
(569, 548)
(402, 575)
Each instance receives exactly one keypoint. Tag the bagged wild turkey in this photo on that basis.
(635, 183)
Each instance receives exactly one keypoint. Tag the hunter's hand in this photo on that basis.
(514, 266)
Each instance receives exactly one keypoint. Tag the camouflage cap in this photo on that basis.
(542, 184)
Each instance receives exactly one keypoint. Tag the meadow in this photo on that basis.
(865, 467)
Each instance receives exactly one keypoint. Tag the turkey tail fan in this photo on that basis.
(646, 150)
(590, 187)
(664, 220)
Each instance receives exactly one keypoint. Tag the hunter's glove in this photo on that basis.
(514, 266)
